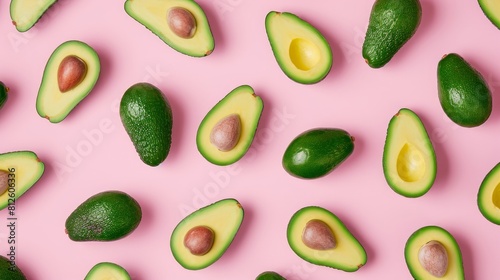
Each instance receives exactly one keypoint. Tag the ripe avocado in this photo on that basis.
(181, 24)
(302, 52)
(69, 76)
(107, 270)
(26, 13)
(9, 272)
(147, 117)
(491, 8)
(431, 252)
(409, 160)
(269, 275)
(241, 104)
(488, 197)
(304, 235)
(223, 218)
(392, 23)
(317, 152)
(3, 94)
(19, 171)
(105, 216)
(463, 93)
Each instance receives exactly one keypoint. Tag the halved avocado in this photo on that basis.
(300, 49)
(347, 254)
(3, 94)
(19, 171)
(10, 271)
(26, 13)
(80, 66)
(453, 270)
(155, 16)
(107, 271)
(491, 8)
(488, 197)
(241, 103)
(223, 218)
(409, 160)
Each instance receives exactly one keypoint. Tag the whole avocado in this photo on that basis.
(3, 94)
(9, 271)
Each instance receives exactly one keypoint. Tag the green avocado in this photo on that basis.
(488, 197)
(317, 152)
(269, 275)
(147, 117)
(202, 237)
(19, 171)
(105, 216)
(107, 271)
(302, 52)
(26, 13)
(181, 24)
(3, 94)
(432, 253)
(9, 271)
(392, 23)
(320, 237)
(228, 129)
(463, 93)
(491, 8)
(409, 160)
(69, 76)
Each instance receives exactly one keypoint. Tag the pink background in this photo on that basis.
(353, 97)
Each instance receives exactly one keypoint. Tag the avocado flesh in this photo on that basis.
(424, 235)
(302, 52)
(107, 271)
(224, 217)
(55, 105)
(463, 93)
(269, 275)
(106, 216)
(243, 102)
(6, 271)
(3, 94)
(26, 13)
(26, 170)
(409, 160)
(488, 197)
(153, 15)
(391, 25)
(491, 9)
(348, 255)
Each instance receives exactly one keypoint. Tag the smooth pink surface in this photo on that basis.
(353, 97)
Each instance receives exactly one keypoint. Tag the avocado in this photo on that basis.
(107, 271)
(69, 76)
(491, 8)
(392, 23)
(105, 216)
(9, 271)
(302, 52)
(317, 152)
(463, 93)
(228, 129)
(181, 24)
(147, 117)
(203, 236)
(488, 196)
(318, 236)
(19, 171)
(431, 252)
(3, 94)
(269, 275)
(26, 13)
(409, 160)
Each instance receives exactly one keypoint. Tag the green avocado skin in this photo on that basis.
(147, 117)
(463, 93)
(3, 94)
(269, 275)
(7, 272)
(392, 23)
(106, 216)
(317, 152)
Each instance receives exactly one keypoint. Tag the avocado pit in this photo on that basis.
(318, 235)
(181, 22)
(199, 240)
(71, 72)
(434, 258)
(226, 133)
(4, 179)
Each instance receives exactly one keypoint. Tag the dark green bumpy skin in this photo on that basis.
(3, 94)
(269, 275)
(392, 23)
(9, 272)
(147, 117)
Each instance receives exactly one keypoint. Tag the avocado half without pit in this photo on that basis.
(488, 197)
(26, 13)
(302, 52)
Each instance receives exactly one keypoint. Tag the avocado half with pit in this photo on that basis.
(181, 24)
(320, 237)
(491, 8)
(202, 237)
(301, 50)
(69, 76)
(26, 13)
(488, 197)
(409, 160)
(19, 171)
(432, 253)
(227, 131)
(107, 270)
